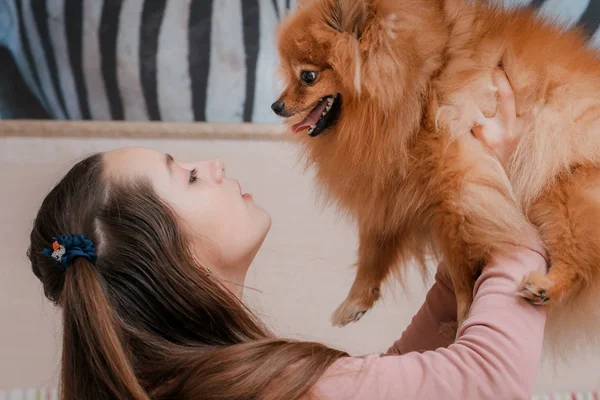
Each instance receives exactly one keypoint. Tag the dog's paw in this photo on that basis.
(354, 308)
(347, 313)
(536, 288)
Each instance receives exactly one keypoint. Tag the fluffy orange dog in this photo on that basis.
(381, 95)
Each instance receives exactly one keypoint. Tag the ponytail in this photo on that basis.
(266, 369)
(95, 364)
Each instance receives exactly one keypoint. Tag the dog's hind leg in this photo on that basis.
(568, 216)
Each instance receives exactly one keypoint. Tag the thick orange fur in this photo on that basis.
(401, 159)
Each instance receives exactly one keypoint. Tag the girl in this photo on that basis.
(147, 258)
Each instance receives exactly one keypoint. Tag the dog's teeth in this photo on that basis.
(329, 105)
(310, 130)
(324, 112)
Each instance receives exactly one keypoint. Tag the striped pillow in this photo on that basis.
(196, 60)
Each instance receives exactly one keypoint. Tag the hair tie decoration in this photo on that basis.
(66, 248)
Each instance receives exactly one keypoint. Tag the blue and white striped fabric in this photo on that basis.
(192, 60)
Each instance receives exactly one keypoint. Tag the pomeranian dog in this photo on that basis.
(380, 94)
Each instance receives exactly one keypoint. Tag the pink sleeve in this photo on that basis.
(496, 355)
(427, 330)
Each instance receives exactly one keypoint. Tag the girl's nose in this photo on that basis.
(217, 169)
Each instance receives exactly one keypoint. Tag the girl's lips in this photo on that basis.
(244, 195)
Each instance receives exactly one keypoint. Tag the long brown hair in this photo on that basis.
(146, 321)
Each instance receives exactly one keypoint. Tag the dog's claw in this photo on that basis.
(352, 309)
(344, 316)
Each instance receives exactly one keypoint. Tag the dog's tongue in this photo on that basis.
(311, 119)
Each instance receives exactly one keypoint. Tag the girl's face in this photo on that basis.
(212, 208)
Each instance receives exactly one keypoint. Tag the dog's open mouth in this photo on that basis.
(324, 115)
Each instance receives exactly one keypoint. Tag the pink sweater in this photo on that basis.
(496, 355)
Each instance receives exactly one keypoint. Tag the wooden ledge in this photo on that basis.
(140, 130)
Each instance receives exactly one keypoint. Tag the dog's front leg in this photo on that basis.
(377, 254)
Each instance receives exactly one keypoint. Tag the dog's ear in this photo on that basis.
(347, 16)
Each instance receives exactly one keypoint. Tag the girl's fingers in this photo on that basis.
(507, 109)
(477, 128)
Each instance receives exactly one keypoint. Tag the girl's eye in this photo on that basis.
(193, 175)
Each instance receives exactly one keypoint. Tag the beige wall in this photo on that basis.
(299, 277)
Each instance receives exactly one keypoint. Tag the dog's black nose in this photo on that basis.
(277, 107)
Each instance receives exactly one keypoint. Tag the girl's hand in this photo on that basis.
(501, 133)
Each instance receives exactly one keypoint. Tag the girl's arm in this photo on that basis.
(495, 356)
(430, 328)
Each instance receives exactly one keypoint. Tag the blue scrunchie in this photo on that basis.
(67, 248)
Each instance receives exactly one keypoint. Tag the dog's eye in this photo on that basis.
(308, 77)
